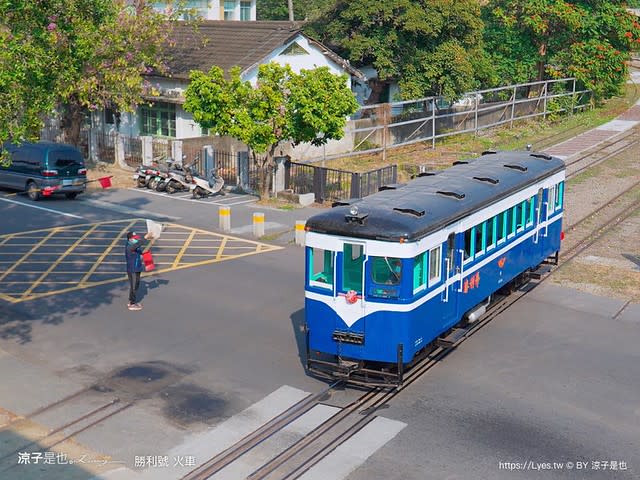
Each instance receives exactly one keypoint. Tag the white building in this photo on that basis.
(242, 10)
(226, 44)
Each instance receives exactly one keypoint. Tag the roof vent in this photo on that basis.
(515, 166)
(492, 181)
(544, 156)
(489, 152)
(460, 162)
(416, 211)
(426, 174)
(456, 195)
(391, 186)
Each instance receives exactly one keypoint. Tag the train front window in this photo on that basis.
(386, 270)
(321, 268)
(352, 264)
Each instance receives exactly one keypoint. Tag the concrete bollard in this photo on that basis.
(258, 224)
(224, 218)
(300, 232)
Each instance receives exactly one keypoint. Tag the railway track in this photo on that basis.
(64, 431)
(297, 459)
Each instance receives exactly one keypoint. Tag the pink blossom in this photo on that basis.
(51, 27)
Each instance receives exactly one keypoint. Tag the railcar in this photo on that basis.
(390, 275)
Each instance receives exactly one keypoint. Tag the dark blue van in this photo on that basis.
(43, 169)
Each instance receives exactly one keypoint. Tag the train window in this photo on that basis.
(559, 195)
(420, 272)
(531, 215)
(511, 222)
(352, 263)
(491, 232)
(321, 268)
(551, 199)
(435, 261)
(386, 270)
(479, 235)
(520, 215)
(468, 247)
(501, 227)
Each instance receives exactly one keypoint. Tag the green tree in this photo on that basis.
(302, 9)
(430, 47)
(80, 55)
(591, 40)
(284, 106)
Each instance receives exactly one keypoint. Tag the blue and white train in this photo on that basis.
(389, 274)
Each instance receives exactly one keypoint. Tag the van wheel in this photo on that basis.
(71, 195)
(33, 191)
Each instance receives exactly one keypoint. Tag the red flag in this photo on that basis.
(105, 182)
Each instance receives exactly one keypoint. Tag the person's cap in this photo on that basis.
(133, 234)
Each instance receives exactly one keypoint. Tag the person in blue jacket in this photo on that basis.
(133, 254)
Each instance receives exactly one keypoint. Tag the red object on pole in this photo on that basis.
(105, 182)
(147, 258)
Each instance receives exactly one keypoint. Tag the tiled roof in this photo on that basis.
(232, 43)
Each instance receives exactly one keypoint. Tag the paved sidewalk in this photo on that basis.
(596, 136)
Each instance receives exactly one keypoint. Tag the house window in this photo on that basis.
(229, 7)
(245, 11)
(158, 119)
(109, 116)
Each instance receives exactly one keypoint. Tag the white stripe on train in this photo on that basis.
(351, 313)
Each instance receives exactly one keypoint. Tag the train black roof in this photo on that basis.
(437, 199)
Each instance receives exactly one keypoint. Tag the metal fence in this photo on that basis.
(332, 184)
(132, 151)
(375, 128)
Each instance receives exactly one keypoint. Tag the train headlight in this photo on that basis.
(354, 210)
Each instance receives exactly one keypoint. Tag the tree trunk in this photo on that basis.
(265, 172)
(72, 119)
(290, 6)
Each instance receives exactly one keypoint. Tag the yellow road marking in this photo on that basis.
(33, 249)
(221, 249)
(106, 252)
(176, 262)
(58, 261)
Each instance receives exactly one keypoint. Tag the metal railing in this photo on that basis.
(376, 128)
(332, 184)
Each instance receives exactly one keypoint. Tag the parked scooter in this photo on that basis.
(203, 187)
(143, 175)
(179, 179)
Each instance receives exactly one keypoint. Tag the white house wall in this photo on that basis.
(314, 59)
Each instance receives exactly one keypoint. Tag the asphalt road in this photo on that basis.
(553, 380)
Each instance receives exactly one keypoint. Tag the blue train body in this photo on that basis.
(388, 274)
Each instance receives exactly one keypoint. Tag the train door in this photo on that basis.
(451, 269)
(350, 299)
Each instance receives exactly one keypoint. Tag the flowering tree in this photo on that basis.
(528, 39)
(79, 54)
(311, 106)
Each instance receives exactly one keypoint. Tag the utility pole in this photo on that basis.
(290, 4)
